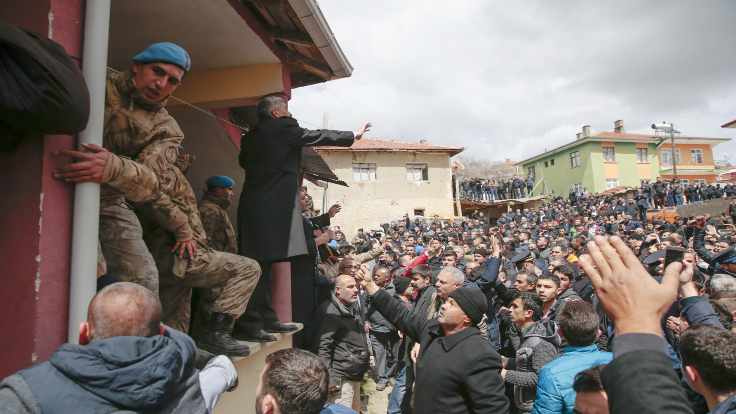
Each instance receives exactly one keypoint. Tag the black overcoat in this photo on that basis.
(271, 156)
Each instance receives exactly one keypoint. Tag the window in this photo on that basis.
(700, 181)
(552, 161)
(417, 172)
(611, 182)
(684, 182)
(531, 171)
(609, 154)
(364, 172)
(667, 156)
(418, 212)
(546, 164)
(697, 156)
(574, 159)
(642, 155)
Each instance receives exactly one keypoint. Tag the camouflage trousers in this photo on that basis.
(121, 240)
(229, 280)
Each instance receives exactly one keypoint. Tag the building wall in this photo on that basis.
(369, 204)
(594, 171)
(559, 178)
(37, 213)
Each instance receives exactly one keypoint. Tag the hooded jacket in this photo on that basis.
(121, 374)
(537, 348)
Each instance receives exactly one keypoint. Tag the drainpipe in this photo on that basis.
(85, 230)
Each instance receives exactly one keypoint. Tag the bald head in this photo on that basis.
(124, 309)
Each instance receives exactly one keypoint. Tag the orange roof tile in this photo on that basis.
(367, 144)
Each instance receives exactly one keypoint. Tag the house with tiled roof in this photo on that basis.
(385, 180)
(596, 161)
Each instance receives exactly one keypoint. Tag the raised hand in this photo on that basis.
(632, 297)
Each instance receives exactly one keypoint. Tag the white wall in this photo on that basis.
(368, 204)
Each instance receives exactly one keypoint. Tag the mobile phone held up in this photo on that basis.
(673, 254)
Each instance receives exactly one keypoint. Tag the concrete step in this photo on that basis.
(243, 398)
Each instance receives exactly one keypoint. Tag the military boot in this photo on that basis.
(218, 338)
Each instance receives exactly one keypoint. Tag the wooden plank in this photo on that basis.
(294, 38)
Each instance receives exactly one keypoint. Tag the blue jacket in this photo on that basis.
(554, 389)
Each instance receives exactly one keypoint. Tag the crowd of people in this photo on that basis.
(536, 310)
(663, 193)
(582, 305)
(493, 189)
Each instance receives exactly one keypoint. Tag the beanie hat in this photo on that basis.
(220, 181)
(472, 301)
(165, 52)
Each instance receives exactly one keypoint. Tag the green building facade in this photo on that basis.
(582, 164)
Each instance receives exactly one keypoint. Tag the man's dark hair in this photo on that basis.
(565, 269)
(578, 322)
(530, 301)
(481, 251)
(712, 351)
(268, 103)
(589, 380)
(450, 253)
(124, 309)
(297, 380)
(553, 278)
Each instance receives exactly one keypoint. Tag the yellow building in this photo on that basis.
(387, 179)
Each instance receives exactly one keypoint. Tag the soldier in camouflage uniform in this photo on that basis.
(213, 211)
(138, 165)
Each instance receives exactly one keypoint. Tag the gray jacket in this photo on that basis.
(537, 349)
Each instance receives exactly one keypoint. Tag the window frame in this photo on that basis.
(367, 168)
(423, 169)
(701, 157)
(610, 181)
(574, 159)
(611, 150)
(639, 152)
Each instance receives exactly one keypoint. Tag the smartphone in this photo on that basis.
(673, 254)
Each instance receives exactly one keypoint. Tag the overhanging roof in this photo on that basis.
(315, 168)
(383, 145)
(729, 124)
(222, 34)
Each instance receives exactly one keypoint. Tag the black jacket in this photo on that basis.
(342, 342)
(641, 379)
(460, 373)
(271, 156)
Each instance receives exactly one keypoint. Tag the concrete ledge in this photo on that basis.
(243, 399)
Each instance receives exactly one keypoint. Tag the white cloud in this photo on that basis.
(508, 79)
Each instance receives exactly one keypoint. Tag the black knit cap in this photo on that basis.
(472, 301)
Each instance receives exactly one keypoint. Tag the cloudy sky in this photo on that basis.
(509, 79)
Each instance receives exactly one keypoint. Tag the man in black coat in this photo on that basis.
(342, 343)
(457, 370)
(270, 226)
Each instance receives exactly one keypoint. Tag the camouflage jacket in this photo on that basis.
(145, 141)
(217, 225)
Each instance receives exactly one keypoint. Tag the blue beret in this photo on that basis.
(221, 181)
(166, 52)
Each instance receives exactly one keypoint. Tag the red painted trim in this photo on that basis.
(37, 215)
(286, 80)
(232, 132)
